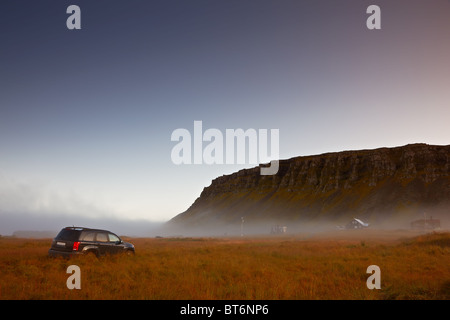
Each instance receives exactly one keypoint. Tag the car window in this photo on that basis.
(113, 237)
(87, 236)
(68, 235)
(102, 237)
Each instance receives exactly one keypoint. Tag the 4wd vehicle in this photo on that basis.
(72, 241)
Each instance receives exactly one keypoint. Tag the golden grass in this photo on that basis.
(328, 266)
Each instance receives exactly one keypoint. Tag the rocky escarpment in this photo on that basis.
(377, 185)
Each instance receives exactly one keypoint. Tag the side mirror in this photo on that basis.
(118, 241)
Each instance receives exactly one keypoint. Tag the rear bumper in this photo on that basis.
(64, 254)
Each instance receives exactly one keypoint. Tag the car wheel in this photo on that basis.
(91, 255)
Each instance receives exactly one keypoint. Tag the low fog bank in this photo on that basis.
(39, 226)
(252, 225)
(266, 229)
(259, 228)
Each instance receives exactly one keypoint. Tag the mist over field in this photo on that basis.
(51, 224)
(48, 225)
(251, 226)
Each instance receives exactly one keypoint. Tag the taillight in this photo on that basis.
(76, 244)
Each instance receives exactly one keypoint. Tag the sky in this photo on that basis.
(86, 116)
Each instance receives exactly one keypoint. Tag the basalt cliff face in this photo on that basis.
(380, 185)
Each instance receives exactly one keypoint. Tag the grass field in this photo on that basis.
(323, 266)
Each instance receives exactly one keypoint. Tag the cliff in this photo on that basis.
(379, 185)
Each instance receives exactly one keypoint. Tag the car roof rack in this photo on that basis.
(84, 228)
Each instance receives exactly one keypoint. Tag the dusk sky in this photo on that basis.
(86, 116)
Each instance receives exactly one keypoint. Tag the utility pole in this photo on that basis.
(242, 226)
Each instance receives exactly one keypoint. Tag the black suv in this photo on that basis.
(72, 241)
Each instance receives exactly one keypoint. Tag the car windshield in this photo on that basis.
(68, 235)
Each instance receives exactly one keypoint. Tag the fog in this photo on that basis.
(252, 225)
(37, 206)
(50, 224)
(214, 226)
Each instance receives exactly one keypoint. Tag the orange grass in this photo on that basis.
(328, 266)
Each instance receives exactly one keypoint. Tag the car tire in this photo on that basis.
(91, 254)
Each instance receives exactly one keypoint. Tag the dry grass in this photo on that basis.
(331, 266)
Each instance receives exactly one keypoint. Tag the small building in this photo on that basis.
(426, 224)
(278, 229)
(356, 224)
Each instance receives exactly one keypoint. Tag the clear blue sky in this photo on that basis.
(86, 115)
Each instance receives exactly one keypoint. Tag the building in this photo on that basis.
(278, 229)
(356, 224)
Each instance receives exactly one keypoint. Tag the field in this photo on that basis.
(303, 266)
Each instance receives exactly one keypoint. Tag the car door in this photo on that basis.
(102, 241)
(116, 244)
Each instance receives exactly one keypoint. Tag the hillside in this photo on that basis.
(383, 186)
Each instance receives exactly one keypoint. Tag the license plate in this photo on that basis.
(63, 244)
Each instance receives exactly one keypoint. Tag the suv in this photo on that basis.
(72, 241)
